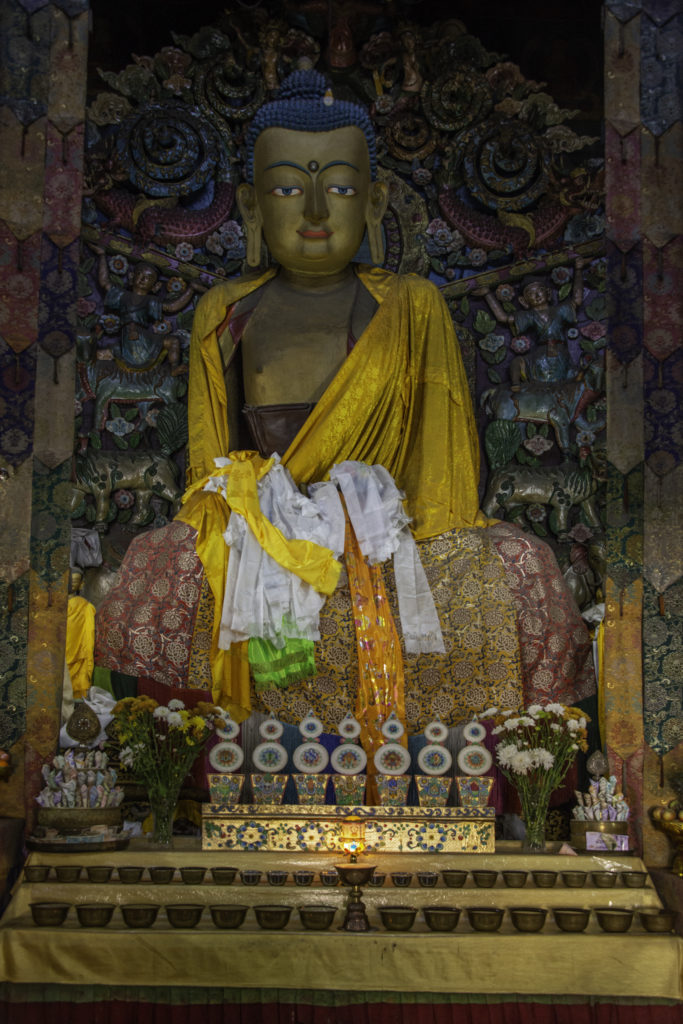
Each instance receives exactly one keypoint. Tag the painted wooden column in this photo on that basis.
(643, 667)
(44, 57)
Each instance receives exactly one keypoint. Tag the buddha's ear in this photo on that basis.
(378, 199)
(253, 222)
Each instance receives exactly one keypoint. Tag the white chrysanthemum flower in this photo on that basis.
(489, 713)
(526, 720)
(542, 758)
(126, 757)
(505, 752)
(533, 710)
(498, 729)
(161, 712)
(506, 714)
(574, 746)
(175, 720)
(557, 709)
(555, 727)
(521, 762)
(176, 705)
(573, 725)
(512, 723)
(582, 722)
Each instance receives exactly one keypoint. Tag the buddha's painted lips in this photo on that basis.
(315, 234)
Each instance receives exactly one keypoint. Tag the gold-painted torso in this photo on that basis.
(296, 339)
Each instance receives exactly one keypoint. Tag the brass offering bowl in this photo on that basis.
(99, 872)
(68, 872)
(36, 872)
(377, 879)
(329, 878)
(634, 879)
(162, 875)
(658, 920)
(273, 916)
(277, 877)
(250, 876)
(49, 914)
(485, 879)
(528, 919)
(184, 915)
(614, 919)
(140, 915)
(485, 919)
(355, 874)
(223, 876)
(94, 915)
(192, 875)
(453, 878)
(574, 879)
(398, 918)
(604, 879)
(571, 919)
(428, 879)
(441, 919)
(316, 916)
(228, 915)
(544, 879)
(130, 874)
(401, 879)
(303, 877)
(515, 879)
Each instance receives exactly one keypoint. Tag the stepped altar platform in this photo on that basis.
(592, 964)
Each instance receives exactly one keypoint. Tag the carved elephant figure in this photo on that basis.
(560, 487)
(559, 405)
(147, 474)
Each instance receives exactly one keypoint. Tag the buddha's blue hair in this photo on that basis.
(305, 103)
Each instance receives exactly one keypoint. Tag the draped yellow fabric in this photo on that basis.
(208, 514)
(399, 400)
(80, 644)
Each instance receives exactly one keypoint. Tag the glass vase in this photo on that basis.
(162, 806)
(534, 814)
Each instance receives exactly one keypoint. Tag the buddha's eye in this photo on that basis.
(286, 191)
(341, 190)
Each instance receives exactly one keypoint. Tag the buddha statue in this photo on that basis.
(330, 363)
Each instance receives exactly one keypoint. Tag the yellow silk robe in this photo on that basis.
(400, 400)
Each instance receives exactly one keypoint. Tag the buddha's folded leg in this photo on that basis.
(145, 626)
(556, 647)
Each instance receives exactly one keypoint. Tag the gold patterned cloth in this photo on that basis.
(478, 615)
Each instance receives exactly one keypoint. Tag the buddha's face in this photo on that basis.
(313, 195)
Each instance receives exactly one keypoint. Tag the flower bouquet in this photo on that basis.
(536, 747)
(159, 746)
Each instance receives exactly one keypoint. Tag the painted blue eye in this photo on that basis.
(286, 191)
(341, 190)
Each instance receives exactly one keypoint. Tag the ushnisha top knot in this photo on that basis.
(306, 103)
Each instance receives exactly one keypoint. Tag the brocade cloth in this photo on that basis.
(496, 590)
